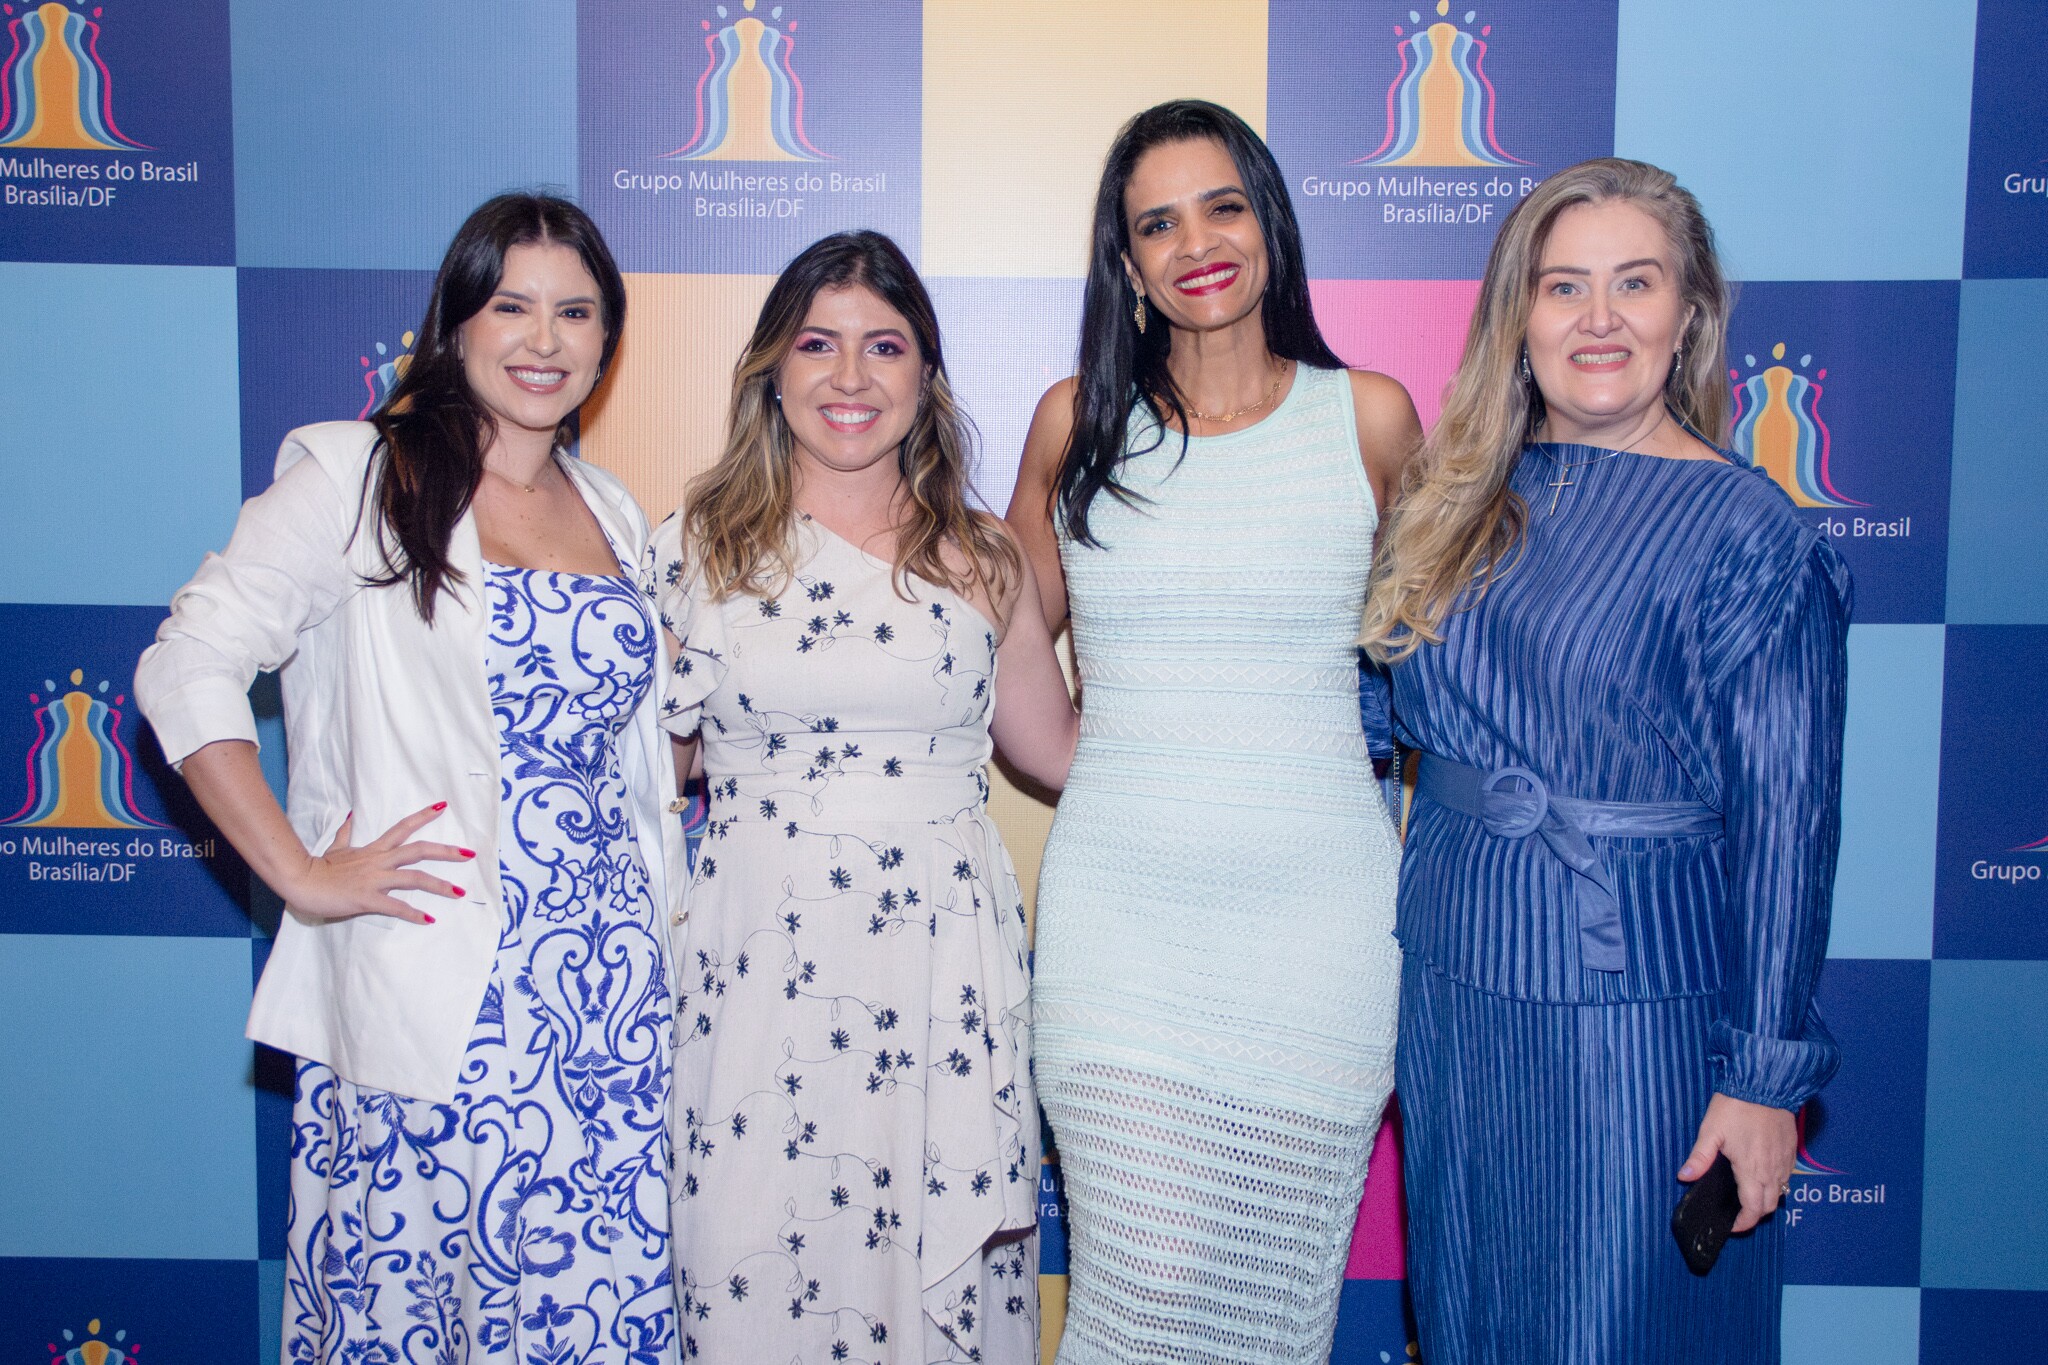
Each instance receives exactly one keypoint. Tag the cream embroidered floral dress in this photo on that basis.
(855, 1129)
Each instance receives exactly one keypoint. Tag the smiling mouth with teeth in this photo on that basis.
(851, 419)
(540, 377)
(1206, 279)
(1598, 357)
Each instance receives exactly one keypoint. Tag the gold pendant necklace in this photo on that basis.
(518, 483)
(1271, 393)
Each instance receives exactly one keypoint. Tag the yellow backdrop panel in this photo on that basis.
(1021, 101)
(660, 420)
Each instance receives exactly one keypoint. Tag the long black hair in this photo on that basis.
(431, 429)
(1121, 367)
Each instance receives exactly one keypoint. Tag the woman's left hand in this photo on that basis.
(1761, 1143)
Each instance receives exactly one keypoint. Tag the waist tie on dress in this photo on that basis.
(914, 798)
(1568, 825)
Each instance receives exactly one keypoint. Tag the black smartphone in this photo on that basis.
(1706, 1214)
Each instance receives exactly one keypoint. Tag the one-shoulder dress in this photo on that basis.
(1216, 973)
(857, 1139)
(1669, 642)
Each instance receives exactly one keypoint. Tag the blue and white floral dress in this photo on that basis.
(527, 1222)
(857, 1136)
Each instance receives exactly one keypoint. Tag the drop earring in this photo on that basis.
(1138, 315)
(1527, 376)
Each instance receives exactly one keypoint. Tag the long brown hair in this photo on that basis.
(431, 430)
(740, 514)
(1457, 523)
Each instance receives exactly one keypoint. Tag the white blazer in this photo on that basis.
(384, 714)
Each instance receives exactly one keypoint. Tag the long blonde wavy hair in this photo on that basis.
(1457, 525)
(739, 515)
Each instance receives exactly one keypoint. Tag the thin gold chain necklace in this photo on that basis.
(1271, 393)
(521, 483)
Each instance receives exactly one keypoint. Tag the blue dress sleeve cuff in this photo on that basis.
(1375, 708)
(1781, 1072)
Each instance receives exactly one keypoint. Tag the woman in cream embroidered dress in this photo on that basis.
(857, 1132)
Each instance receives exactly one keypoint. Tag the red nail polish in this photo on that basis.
(440, 805)
(458, 891)
(427, 917)
(467, 852)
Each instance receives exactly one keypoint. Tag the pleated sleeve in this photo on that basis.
(697, 627)
(1781, 704)
(1375, 707)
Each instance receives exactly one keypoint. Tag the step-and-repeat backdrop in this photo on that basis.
(218, 220)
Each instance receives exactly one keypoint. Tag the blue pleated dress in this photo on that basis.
(1670, 632)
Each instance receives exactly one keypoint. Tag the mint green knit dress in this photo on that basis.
(1217, 978)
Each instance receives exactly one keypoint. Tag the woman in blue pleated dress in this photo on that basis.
(1621, 656)
(1216, 973)
(473, 967)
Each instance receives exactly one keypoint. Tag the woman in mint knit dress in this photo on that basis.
(1216, 973)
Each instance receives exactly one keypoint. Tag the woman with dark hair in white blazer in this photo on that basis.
(473, 967)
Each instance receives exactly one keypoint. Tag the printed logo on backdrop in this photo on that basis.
(725, 137)
(1407, 133)
(1991, 870)
(80, 773)
(2005, 232)
(1853, 1213)
(381, 375)
(319, 346)
(1831, 400)
(90, 1348)
(101, 836)
(114, 132)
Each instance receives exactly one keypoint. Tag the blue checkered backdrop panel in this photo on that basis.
(218, 220)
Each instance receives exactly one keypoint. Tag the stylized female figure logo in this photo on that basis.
(55, 92)
(1778, 426)
(80, 775)
(750, 104)
(1440, 107)
(382, 377)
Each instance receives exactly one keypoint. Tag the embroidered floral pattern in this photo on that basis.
(857, 1143)
(526, 1222)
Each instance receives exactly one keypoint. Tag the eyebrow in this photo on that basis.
(1581, 270)
(1204, 197)
(515, 294)
(896, 332)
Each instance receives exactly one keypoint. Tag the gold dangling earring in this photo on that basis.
(1138, 315)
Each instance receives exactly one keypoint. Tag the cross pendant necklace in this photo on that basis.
(1564, 476)
(1565, 467)
(1563, 482)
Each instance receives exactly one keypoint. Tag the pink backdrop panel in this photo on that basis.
(1413, 330)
